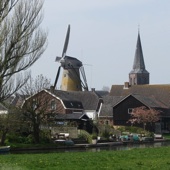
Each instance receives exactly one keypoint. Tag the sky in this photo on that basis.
(103, 36)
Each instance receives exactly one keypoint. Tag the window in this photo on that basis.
(130, 110)
(106, 122)
(53, 105)
(34, 104)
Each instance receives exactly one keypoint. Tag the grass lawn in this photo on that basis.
(135, 159)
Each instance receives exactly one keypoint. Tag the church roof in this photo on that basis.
(139, 64)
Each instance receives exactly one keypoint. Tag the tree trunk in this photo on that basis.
(144, 126)
(3, 137)
(36, 133)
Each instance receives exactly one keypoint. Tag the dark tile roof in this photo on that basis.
(161, 93)
(108, 103)
(150, 101)
(2, 107)
(17, 99)
(88, 99)
(101, 93)
(72, 116)
(147, 101)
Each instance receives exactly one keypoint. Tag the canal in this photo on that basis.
(127, 146)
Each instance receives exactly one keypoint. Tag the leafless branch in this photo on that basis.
(22, 41)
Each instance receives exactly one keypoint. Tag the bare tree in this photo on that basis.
(22, 42)
(33, 86)
(36, 107)
(144, 115)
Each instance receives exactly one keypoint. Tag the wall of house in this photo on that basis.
(90, 114)
(120, 111)
(106, 121)
(44, 103)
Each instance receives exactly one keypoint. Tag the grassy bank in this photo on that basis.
(147, 159)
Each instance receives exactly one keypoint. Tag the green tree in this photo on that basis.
(22, 42)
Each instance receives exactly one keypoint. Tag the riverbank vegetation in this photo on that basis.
(143, 158)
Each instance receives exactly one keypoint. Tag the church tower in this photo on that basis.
(139, 75)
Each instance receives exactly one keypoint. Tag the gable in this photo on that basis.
(157, 92)
(129, 102)
(149, 102)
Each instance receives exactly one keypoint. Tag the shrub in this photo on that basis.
(132, 129)
(45, 136)
(94, 136)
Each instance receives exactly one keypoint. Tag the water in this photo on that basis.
(98, 149)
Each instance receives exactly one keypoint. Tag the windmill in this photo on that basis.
(73, 70)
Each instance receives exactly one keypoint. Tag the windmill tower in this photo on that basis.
(73, 70)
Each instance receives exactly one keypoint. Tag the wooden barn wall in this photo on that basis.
(120, 112)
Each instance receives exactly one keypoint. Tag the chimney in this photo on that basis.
(126, 85)
(52, 89)
(93, 89)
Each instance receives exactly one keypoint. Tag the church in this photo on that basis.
(135, 93)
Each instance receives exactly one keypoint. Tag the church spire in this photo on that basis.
(139, 75)
(138, 60)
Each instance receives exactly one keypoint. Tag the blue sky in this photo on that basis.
(103, 36)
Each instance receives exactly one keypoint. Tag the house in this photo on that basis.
(153, 96)
(81, 121)
(79, 106)
(7, 104)
(106, 114)
(87, 102)
(3, 109)
(123, 109)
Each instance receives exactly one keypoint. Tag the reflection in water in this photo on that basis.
(98, 149)
(129, 146)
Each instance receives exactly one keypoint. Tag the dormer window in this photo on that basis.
(53, 105)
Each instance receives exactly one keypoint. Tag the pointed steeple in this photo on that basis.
(138, 64)
(139, 75)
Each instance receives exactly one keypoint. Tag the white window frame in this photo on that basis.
(130, 110)
(53, 105)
